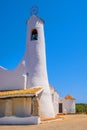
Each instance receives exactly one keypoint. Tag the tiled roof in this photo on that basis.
(26, 92)
(69, 97)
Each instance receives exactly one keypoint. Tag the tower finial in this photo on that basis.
(34, 10)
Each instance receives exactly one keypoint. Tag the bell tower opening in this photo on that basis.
(34, 35)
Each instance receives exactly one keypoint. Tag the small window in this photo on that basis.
(34, 35)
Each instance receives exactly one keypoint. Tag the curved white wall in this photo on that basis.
(36, 65)
(35, 54)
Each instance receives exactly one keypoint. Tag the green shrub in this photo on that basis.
(81, 108)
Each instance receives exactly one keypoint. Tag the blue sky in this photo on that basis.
(65, 35)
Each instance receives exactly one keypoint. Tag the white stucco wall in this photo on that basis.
(55, 104)
(35, 54)
(69, 106)
(10, 80)
(55, 97)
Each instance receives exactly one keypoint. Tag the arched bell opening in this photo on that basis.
(34, 34)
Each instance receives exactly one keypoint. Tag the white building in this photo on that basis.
(62, 105)
(25, 95)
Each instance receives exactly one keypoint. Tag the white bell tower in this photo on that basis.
(35, 59)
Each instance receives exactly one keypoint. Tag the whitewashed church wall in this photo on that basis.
(10, 80)
(35, 54)
(69, 106)
(51, 90)
(55, 107)
(55, 96)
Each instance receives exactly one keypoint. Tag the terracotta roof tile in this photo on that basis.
(69, 97)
